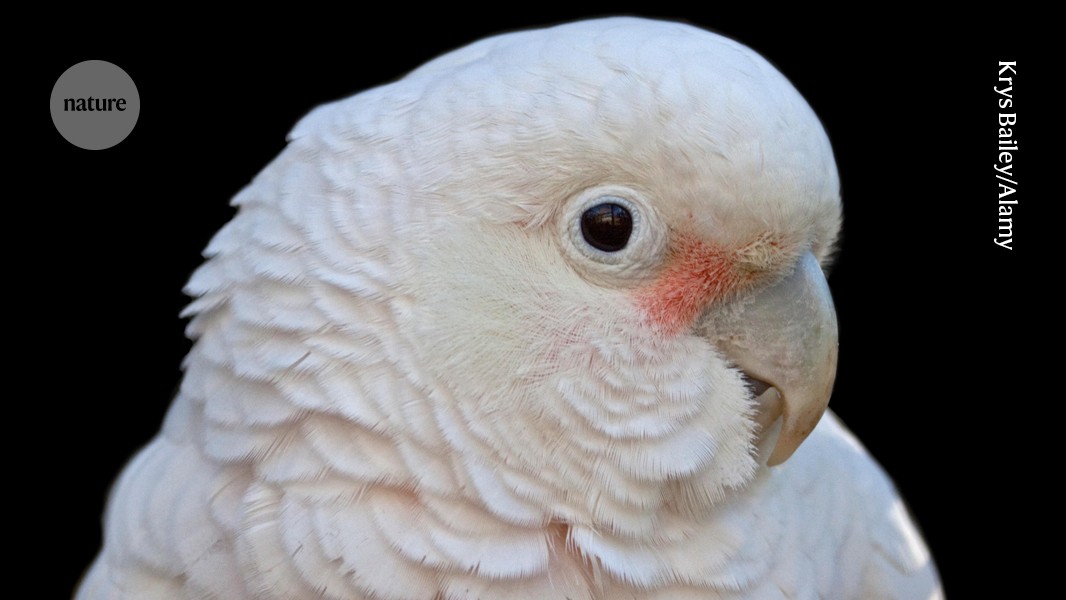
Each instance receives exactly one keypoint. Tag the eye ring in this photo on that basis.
(607, 226)
(613, 236)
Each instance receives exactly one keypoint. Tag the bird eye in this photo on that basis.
(612, 234)
(607, 226)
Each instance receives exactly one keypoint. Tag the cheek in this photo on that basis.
(695, 275)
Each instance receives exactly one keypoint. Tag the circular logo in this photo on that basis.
(95, 105)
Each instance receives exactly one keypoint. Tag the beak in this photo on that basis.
(785, 336)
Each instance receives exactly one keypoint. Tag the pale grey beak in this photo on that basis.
(786, 337)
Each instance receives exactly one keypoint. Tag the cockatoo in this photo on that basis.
(544, 319)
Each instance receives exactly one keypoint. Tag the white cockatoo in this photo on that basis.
(544, 319)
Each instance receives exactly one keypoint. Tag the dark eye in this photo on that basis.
(607, 226)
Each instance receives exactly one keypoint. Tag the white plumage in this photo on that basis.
(422, 370)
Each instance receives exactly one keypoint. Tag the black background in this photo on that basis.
(932, 314)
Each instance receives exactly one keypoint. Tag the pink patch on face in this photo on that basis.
(695, 274)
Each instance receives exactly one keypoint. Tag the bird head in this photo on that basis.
(573, 274)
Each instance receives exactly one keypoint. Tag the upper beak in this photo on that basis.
(785, 336)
